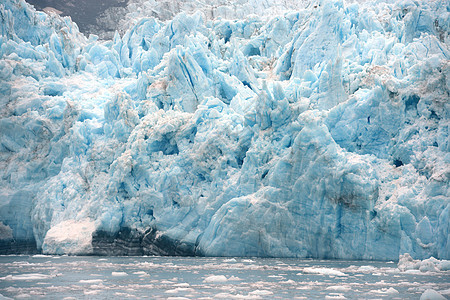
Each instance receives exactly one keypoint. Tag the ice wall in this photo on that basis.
(121, 19)
(320, 133)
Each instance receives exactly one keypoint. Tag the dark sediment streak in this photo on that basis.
(134, 243)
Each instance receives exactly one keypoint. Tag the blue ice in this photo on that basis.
(316, 133)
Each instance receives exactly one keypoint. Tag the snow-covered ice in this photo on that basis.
(321, 131)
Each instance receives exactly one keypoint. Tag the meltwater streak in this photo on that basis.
(59, 277)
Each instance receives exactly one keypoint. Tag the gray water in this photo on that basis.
(69, 277)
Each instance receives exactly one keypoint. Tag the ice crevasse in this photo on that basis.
(321, 133)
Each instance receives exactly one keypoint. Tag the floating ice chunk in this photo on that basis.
(366, 269)
(234, 278)
(230, 260)
(31, 276)
(289, 281)
(323, 271)
(340, 296)
(118, 274)
(225, 296)
(92, 292)
(260, 293)
(90, 281)
(215, 279)
(406, 263)
(431, 294)
(179, 290)
(339, 288)
(182, 284)
(389, 291)
(140, 273)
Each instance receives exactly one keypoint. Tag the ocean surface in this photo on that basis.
(93, 277)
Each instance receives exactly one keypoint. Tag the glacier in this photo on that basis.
(320, 132)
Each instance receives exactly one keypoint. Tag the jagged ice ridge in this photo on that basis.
(319, 133)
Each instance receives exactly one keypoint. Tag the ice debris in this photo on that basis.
(431, 294)
(406, 262)
(215, 279)
(323, 271)
(322, 133)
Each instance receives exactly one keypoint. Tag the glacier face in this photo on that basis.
(321, 132)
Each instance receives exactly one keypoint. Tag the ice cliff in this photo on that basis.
(321, 132)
